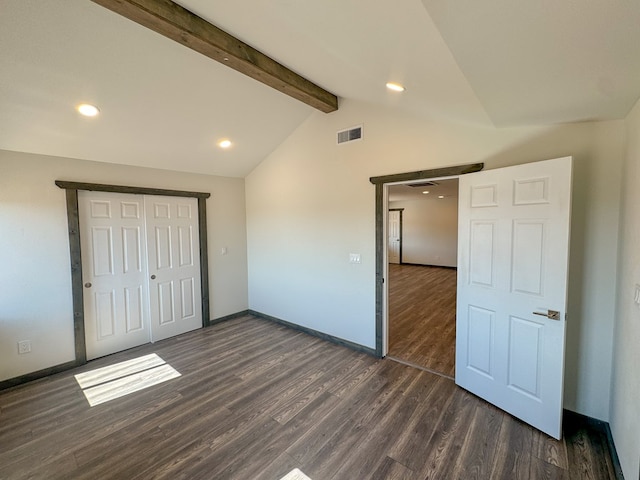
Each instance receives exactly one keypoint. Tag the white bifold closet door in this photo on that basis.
(174, 265)
(140, 269)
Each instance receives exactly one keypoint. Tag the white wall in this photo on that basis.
(35, 280)
(310, 204)
(429, 231)
(625, 385)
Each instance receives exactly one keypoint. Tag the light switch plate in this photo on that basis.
(636, 295)
(354, 258)
(24, 346)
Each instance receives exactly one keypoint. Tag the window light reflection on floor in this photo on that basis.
(295, 474)
(108, 383)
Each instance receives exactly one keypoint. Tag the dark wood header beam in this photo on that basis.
(428, 174)
(99, 187)
(175, 22)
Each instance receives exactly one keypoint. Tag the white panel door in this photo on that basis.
(113, 272)
(512, 277)
(174, 265)
(394, 236)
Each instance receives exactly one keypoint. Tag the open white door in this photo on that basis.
(512, 288)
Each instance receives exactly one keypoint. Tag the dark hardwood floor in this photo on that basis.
(422, 316)
(257, 399)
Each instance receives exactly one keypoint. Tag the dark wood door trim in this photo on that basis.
(73, 220)
(428, 174)
(381, 211)
(100, 187)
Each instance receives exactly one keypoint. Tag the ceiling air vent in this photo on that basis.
(423, 184)
(350, 134)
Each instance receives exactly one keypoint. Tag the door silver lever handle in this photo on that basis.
(551, 314)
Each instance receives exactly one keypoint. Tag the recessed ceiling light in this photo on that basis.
(440, 196)
(87, 110)
(224, 143)
(396, 87)
(425, 192)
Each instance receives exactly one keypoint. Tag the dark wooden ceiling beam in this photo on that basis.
(175, 22)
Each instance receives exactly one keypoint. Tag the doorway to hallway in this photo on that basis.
(422, 284)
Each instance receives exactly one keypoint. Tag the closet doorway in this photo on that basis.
(155, 243)
(140, 265)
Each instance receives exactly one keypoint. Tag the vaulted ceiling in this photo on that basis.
(500, 63)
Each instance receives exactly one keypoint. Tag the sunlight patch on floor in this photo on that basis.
(295, 474)
(108, 383)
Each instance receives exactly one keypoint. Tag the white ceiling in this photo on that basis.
(546, 61)
(162, 105)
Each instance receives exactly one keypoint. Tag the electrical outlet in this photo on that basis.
(24, 346)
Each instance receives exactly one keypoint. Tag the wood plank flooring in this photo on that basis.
(422, 316)
(256, 399)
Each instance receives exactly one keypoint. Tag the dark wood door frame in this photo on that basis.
(73, 221)
(381, 211)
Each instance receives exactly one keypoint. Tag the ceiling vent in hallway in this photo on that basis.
(350, 134)
(423, 184)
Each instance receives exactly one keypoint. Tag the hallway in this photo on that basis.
(422, 316)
